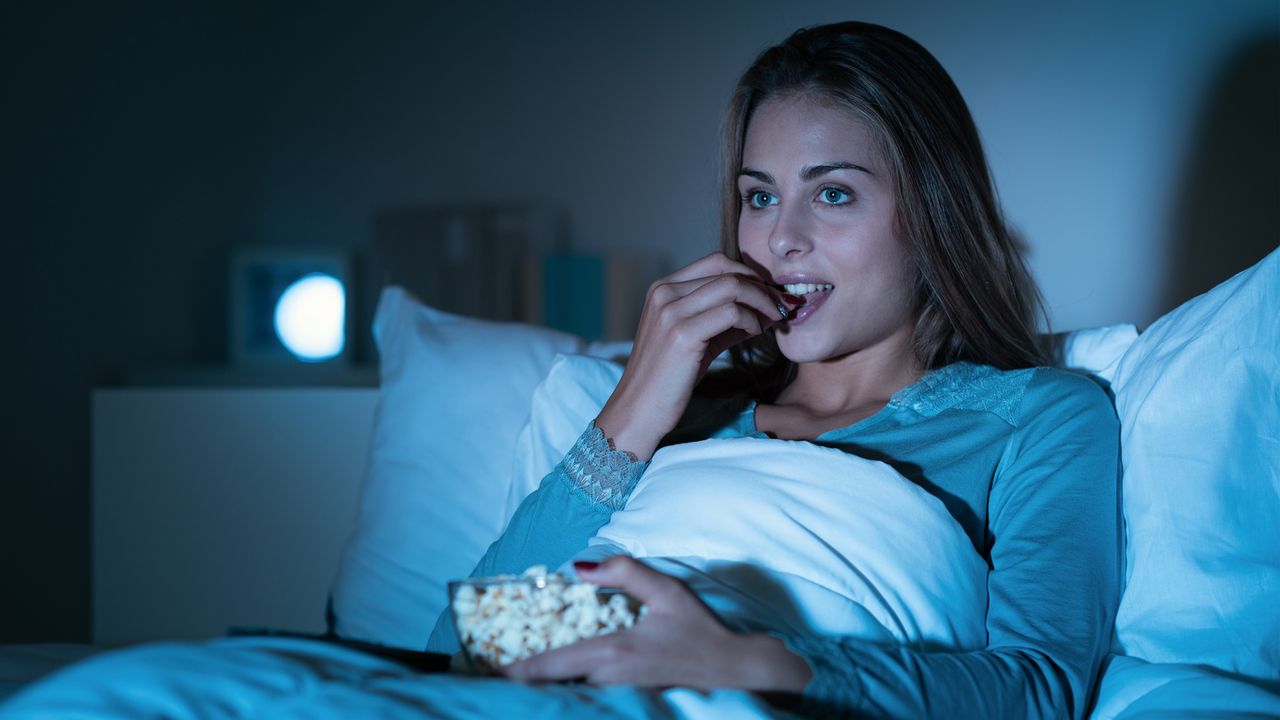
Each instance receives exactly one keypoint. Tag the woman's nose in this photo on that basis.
(790, 235)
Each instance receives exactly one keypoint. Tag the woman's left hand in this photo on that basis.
(678, 642)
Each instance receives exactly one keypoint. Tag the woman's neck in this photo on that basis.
(862, 380)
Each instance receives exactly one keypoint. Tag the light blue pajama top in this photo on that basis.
(1027, 461)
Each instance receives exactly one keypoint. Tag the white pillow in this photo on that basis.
(455, 393)
(1198, 396)
(563, 403)
(1097, 351)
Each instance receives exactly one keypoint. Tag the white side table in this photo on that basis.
(215, 507)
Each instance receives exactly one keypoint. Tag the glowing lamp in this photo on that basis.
(288, 308)
(310, 318)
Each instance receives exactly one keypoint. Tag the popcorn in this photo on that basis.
(507, 618)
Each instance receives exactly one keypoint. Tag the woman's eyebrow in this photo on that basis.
(808, 174)
(816, 171)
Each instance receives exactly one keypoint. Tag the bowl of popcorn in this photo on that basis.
(506, 618)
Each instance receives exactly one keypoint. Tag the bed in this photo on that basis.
(1197, 631)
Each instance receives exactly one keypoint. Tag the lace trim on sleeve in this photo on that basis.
(605, 473)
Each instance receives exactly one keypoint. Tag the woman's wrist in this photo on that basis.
(625, 434)
(767, 665)
(601, 471)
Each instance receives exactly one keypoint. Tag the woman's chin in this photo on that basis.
(801, 352)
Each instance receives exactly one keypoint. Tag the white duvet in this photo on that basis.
(790, 536)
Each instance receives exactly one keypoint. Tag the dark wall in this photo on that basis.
(128, 159)
(1228, 212)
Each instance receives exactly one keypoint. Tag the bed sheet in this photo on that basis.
(295, 678)
(23, 664)
(298, 678)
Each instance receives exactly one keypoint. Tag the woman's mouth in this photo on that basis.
(813, 294)
(799, 289)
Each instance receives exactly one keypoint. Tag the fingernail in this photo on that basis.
(782, 310)
(585, 565)
(793, 299)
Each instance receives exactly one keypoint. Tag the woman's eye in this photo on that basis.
(833, 196)
(760, 198)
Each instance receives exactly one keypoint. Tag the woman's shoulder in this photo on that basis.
(1062, 393)
(1012, 395)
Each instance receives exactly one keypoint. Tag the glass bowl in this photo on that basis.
(505, 618)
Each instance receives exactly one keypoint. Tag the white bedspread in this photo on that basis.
(791, 536)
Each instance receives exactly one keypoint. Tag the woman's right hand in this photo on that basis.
(689, 318)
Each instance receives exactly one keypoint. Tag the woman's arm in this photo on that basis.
(574, 501)
(1054, 584)
(555, 521)
(689, 317)
(1054, 540)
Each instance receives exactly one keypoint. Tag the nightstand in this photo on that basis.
(221, 506)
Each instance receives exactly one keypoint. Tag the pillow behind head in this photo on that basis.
(1198, 395)
(454, 395)
(1096, 351)
(567, 399)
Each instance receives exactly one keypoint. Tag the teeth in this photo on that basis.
(806, 288)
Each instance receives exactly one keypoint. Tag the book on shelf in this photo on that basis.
(513, 264)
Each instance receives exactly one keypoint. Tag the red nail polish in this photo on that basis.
(793, 299)
(585, 565)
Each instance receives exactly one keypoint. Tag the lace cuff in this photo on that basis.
(605, 473)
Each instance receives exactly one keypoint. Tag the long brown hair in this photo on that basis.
(973, 297)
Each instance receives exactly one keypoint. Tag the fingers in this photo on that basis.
(711, 267)
(677, 642)
(719, 328)
(601, 658)
(710, 304)
(716, 263)
(717, 305)
(655, 589)
(733, 288)
(722, 286)
(684, 306)
(563, 663)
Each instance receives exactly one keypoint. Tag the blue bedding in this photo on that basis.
(299, 678)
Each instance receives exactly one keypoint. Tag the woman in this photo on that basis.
(873, 300)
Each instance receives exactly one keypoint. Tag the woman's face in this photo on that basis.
(818, 218)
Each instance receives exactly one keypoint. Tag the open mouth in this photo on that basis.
(813, 294)
(799, 289)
